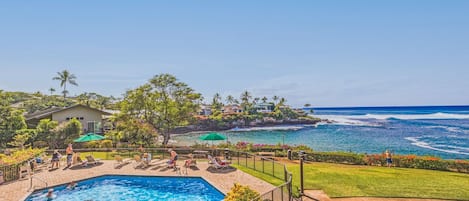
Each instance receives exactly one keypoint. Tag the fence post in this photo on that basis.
(301, 176)
(238, 156)
(246, 160)
(262, 165)
(273, 168)
(254, 162)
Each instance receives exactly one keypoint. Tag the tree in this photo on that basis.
(282, 101)
(230, 100)
(307, 105)
(264, 99)
(65, 77)
(45, 130)
(163, 102)
(51, 90)
(216, 102)
(256, 100)
(11, 119)
(275, 99)
(245, 97)
(65, 133)
(21, 137)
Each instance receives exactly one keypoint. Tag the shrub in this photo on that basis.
(241, 193)
(106, 144)
(20, 156)
(91, 144)
(337, 157)
(40, 144)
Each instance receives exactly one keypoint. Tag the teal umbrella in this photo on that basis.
(212, 136)
(89, 137)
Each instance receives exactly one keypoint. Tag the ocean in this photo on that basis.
(441, 131)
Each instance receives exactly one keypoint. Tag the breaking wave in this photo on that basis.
(456, 149)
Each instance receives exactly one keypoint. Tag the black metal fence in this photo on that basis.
(11, 172)
(270, 167)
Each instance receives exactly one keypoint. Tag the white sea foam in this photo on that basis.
(345, 120)
(357, 120)
(438, 115)
(267, 128)
(449, 128)
(415, 141)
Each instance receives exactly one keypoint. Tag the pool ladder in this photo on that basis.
(31, 187)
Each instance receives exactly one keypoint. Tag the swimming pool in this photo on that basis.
(138, 188)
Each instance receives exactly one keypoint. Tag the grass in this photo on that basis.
(339, 180)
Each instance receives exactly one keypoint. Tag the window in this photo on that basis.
(81, 118)
(91, 126)
(68, 118)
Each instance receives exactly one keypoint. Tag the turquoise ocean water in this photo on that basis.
(441, 131)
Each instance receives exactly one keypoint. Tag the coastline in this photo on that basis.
(271, 125)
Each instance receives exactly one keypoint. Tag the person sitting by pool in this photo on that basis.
(55, 159)
(173, 159)
(189, 162)
(221, 162)
(50, 194)
(72, 185)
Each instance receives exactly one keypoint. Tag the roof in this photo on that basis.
(264, 104)
(50, 111)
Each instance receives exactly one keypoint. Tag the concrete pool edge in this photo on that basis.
(128, 175)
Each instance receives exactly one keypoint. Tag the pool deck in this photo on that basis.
(223, 180)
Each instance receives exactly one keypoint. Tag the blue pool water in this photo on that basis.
(138, 188)
(441, 131)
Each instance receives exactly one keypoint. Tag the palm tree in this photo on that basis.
(245, 96)
(275, 99)
(64, 92)
(264, 99)
(51, 90)
(216, 101)
(230, 100)
(256, 100)
(282, 101)
(65, 77)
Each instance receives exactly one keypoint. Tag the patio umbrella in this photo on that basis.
(212, 136)
(89, 137)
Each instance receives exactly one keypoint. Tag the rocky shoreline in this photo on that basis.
(210, 126)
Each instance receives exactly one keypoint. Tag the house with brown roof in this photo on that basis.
(91, 119)
(231, 109)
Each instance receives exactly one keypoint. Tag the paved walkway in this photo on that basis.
(223, 180)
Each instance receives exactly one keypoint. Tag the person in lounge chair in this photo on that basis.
(173, 159)
(221, 162)
(190, 162)
(80, 161)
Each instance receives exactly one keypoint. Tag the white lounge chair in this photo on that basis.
(218, 165)
(120, 161)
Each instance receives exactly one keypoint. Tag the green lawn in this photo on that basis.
(349, 181)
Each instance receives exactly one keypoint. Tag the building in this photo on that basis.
(205, 110)
(264, 107)
(91, 119)
(232, 109)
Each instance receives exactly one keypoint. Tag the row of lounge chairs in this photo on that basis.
(139, 162)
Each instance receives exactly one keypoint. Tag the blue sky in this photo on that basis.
(329, 53)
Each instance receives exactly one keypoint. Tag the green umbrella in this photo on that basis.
(212, 136)
(89, 137)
